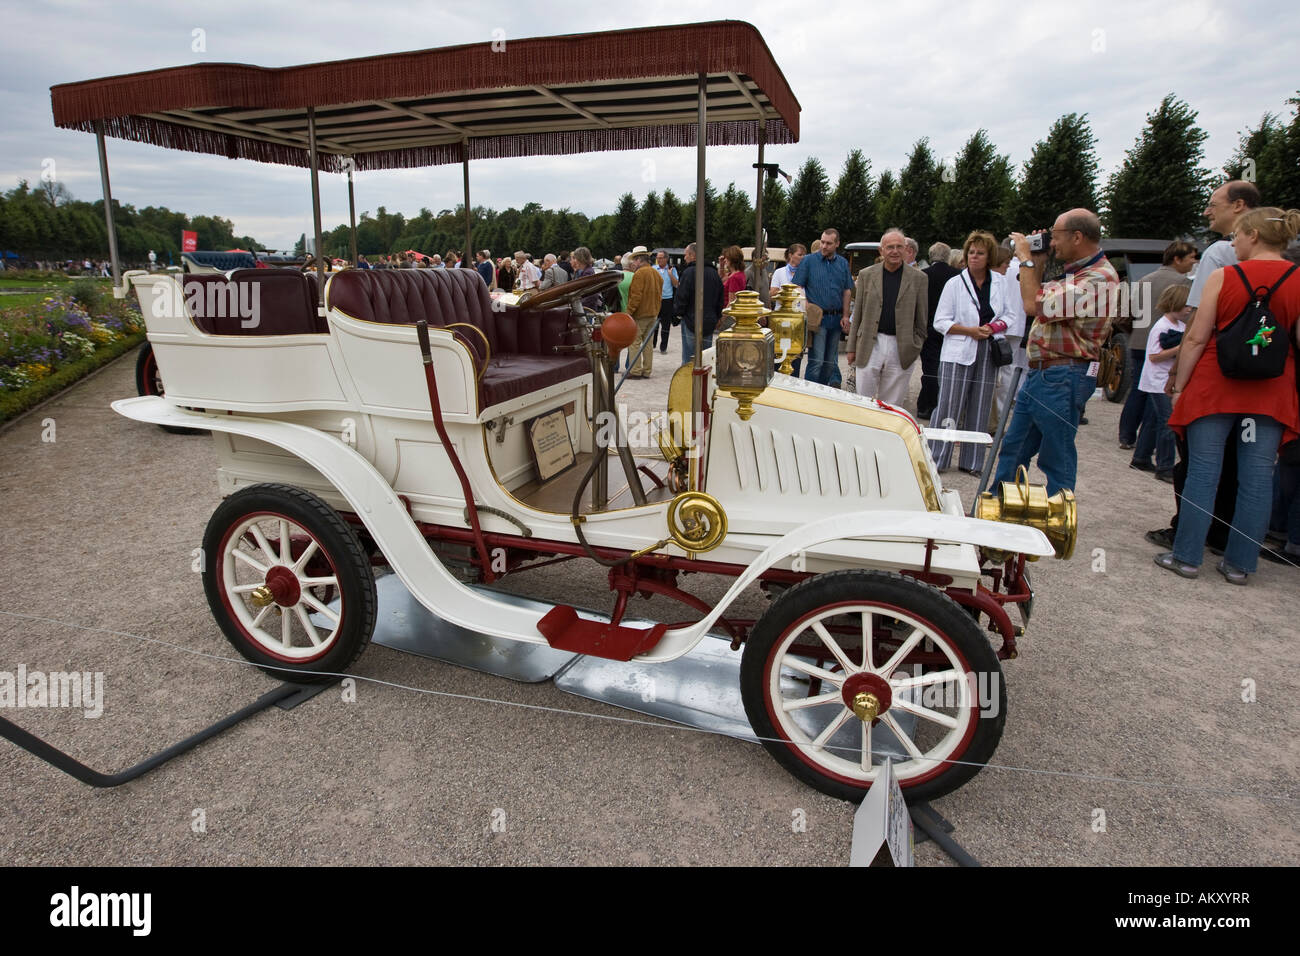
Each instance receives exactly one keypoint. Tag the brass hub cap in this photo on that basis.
(866, 706)
(867, 695)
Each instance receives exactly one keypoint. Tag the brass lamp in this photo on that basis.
(1019, 502)
(744, 353)
(789, 326)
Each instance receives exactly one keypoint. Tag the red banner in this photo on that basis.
(189, 241)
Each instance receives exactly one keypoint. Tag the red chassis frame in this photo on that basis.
(657, 574)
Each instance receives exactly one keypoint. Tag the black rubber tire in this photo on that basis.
(340, 546)
(149, 382)
(943, 616)
(1117, 390)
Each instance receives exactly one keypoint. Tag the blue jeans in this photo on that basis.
(1154, 434)
(824, 351)
(688, 341)
(1205, 440)
(1135, 405)
(1044, 424)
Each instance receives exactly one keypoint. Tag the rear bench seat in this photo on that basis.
(281, 302)
(523, 343)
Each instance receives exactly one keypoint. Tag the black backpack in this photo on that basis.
(1252, 346)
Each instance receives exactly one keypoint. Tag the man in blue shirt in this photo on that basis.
(484, 267)
(827, 284)
(669, 275)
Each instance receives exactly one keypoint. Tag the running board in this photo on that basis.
(565, 631)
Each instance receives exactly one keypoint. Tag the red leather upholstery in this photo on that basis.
(195, 289)
(253, 302)
(523, 343)
(512, 375)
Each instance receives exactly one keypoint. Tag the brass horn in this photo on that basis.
(1019, 502)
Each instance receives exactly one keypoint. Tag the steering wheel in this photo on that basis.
(571, 291)
(310, 264)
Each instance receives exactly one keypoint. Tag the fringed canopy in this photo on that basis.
(625, 89)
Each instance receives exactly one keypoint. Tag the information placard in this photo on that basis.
(548, 437)
(882, 827)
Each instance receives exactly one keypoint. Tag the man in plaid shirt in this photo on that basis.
(1072, 318)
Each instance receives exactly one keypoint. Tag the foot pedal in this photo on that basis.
(565, 631)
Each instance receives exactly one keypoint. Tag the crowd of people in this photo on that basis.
(72, 267)
(1228, 442)
(1235, 409)
(1224, 431)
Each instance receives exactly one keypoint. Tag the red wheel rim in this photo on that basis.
(152, 380)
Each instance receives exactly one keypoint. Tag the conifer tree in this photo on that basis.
(1161, 188)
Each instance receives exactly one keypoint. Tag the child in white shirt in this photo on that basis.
(1153, 433)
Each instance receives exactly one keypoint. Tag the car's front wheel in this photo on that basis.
(848, 668)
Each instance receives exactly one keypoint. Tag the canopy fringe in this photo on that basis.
(124, 102)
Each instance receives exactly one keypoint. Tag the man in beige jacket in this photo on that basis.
(889, 322)
(643, 297)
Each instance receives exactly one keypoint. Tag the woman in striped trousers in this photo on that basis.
(973, 307)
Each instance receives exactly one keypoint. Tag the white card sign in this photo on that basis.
(882, 827)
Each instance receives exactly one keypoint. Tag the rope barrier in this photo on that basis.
(658, 724)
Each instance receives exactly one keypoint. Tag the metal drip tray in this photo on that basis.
(700, 689)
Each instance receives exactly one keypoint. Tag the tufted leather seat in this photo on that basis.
(523, 357)
(276, 301)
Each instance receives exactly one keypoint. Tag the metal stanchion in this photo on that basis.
(991, 461)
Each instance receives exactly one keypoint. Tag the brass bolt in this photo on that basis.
(262, 596)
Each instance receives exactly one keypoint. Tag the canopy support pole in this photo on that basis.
(468, 251)
(352, 212)
(760, 247)
(700, 199)
(697, 379)
(108, 205)
(315, 204)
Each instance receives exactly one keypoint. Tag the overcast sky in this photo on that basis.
(872, 75)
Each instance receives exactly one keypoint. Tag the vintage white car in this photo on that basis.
(404, 419)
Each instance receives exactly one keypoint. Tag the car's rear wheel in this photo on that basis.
(289, 582)
(148, 381)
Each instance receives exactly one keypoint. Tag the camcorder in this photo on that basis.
(1040, 242)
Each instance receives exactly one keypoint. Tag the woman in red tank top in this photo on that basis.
(1209, 406)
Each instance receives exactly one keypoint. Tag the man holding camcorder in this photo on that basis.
(1071, 321)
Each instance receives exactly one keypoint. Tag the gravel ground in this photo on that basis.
(1126, 701)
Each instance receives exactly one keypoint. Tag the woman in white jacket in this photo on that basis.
(974, 306)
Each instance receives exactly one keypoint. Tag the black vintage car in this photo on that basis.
(1133, 259)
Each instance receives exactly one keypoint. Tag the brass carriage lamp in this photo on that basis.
(1019, 502)
(744, 353)
(788, 326)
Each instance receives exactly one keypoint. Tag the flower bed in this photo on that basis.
(47, 346)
